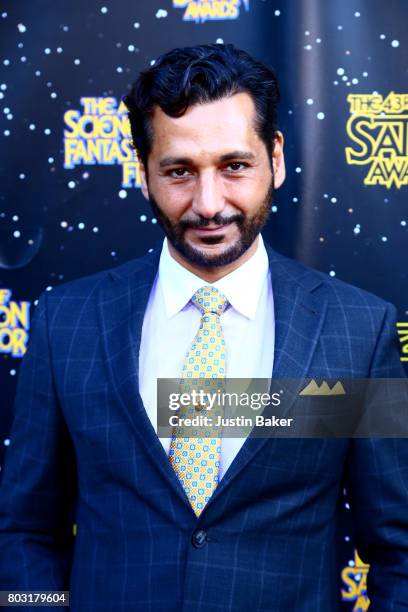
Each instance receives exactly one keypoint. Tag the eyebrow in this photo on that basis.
(185, 161)
(175, 161)
(237, 155)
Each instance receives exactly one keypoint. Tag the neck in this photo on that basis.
(211, 275)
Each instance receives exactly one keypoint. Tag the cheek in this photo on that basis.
(173, 200)
(248, 193)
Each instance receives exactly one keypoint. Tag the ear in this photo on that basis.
(143, 181)
(278, 160)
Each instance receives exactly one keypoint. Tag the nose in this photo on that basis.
(208, 198)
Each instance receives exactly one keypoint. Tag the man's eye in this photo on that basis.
(179, 173)
(237, 166)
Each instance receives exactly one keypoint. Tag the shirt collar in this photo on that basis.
(178, 284)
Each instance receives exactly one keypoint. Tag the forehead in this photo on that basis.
(211, 128)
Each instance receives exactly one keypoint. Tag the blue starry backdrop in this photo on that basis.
(70, 204)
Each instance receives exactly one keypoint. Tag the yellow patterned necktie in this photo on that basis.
(196, 460)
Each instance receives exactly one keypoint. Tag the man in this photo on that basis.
(243, 524)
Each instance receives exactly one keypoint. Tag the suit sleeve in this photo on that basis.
(37, 490)
(378, 487)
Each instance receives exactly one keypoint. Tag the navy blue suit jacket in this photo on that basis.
(81, 440)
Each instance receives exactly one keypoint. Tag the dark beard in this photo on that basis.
(248, 229)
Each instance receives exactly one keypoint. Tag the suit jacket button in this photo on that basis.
(199, 538)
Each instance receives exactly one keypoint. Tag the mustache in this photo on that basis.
(218, 219)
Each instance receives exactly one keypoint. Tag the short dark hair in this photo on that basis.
(187, 76)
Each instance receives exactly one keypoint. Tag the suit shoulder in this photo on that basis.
(86, 287)
(345, 294)
(334, 290)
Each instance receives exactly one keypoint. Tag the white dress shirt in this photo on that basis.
(171, 322)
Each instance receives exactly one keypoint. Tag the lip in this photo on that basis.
(211, 230)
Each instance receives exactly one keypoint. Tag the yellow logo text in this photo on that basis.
(402, 331)
(378, 128)
(354, 578)
(205, 10)
(100, 134)
(14, 325)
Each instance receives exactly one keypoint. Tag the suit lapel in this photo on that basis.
(122, 306)
(299, 317)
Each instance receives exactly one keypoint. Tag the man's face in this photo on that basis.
(209, 179)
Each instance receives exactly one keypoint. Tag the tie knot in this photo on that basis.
(209, 299)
